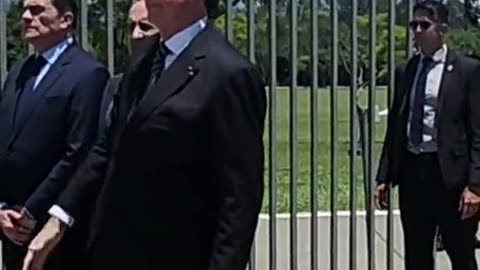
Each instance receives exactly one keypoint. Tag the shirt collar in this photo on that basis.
(440, 55)
(178, 42)
(52, 54)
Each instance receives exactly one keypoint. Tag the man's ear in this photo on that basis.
(67, 21)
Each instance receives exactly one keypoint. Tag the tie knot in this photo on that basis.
(35, 65)
(163, 50)
(427, 61)
(160, 56)
(38, 62)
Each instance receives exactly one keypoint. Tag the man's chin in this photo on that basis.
(29, 36)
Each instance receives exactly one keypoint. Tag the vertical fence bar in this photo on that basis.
(110, 48)
(3, 42)
(229, 19)
(371, 133)
(409, 33)
(84, 24)
(334, 135)
(391, 83)
(314, 135)
(293, 137)
(272, 132)
(251, 9)
(353, 136)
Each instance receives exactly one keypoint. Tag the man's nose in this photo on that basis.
(137, 33)
(27, 15)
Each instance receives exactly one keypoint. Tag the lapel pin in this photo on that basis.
(190, 70)
(450, 67)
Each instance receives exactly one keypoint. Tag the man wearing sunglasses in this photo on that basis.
(140, 28)
(432, 146)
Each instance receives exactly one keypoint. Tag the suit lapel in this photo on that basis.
(29, 107)
(447, 82)
(410, 72)
(12, 96)
(175, 78)
(135, 77)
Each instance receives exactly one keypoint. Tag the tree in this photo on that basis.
(16, 48)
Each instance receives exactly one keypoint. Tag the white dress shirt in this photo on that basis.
(434, 78)
(51, 56)
(176, 45)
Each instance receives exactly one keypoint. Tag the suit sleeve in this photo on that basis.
(383, 165)
(238, 123)
(82, 132)
(473, 115)
(86, 181)
(104, 120)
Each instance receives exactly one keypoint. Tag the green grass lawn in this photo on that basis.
(303, 144)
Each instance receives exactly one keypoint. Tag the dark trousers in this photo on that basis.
(13, 255)
(425, 203)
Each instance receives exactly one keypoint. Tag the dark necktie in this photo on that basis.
(26, 96)
(33, 71)
(158, 65)
(416, 122)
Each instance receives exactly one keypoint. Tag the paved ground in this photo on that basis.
(303, 252)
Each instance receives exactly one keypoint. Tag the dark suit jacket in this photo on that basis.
(184, 186)
(106, 109)
(457, 120)
(39, 154)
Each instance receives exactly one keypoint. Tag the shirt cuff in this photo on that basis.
(57, 212)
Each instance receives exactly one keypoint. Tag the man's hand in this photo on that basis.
(27, 219)
(381, 196)
(469, 204)
(12, 226)
(43, 244)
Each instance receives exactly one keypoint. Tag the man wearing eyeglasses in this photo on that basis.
(140, 28)
(432, 146)
(48, 119)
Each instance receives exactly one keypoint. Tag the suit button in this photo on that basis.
(9, 151)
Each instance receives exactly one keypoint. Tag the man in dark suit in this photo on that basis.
(140, 28)
(49, 116)
(432, 146)
(184, 184)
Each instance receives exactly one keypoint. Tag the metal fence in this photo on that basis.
(324, 150)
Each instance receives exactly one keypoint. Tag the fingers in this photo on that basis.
(34, 260)
(13, 214)
(27, 262)
(377, 202)
(380, 202)
(16, 236)
(469, 204)
(381, 197)
(469, 210)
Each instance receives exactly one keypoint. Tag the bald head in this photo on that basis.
(140, 27)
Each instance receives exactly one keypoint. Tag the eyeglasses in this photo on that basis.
(424, 25)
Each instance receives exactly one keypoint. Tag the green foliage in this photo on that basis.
(15, 46)
(461, 37)
(465, 40)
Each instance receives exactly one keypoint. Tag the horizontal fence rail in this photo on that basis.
(328, 67)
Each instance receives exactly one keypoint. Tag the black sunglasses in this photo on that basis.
(424, 25)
